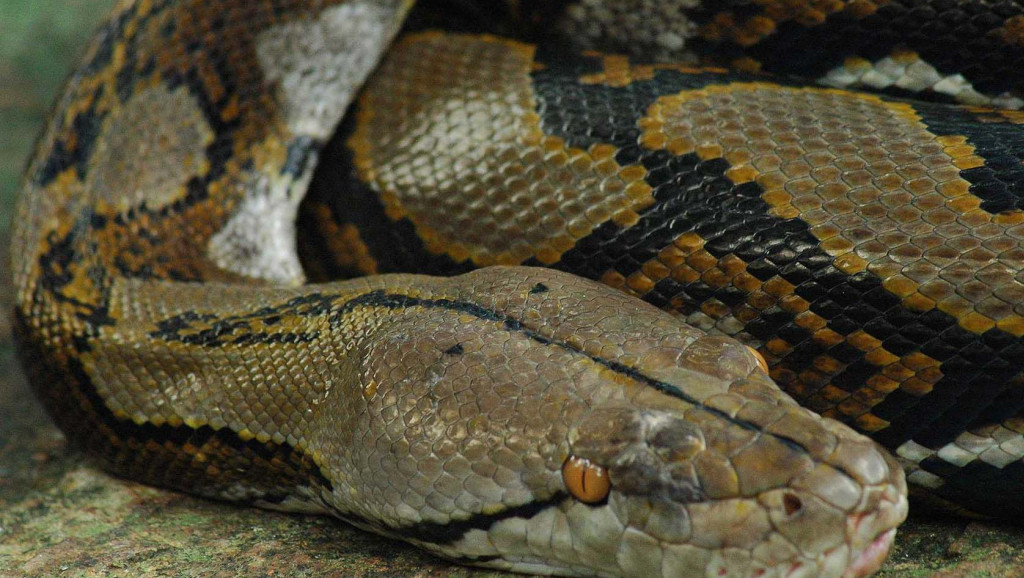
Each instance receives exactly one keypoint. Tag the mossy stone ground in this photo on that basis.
(61, 517)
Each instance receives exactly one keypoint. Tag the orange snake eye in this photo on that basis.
(586, 481)
(760, 358)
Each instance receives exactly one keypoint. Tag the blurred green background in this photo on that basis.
(58, 515)
(39, 40)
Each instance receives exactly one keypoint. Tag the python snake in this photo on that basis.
(178, 310)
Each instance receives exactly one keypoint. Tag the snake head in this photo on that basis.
(762, 489)
(530, 420)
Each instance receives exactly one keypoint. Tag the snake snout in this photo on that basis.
(749, 498)
(748, 473)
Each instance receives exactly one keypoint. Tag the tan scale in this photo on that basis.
(498, 192)
(152, 165)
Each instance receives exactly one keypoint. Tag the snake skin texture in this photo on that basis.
(868, 245)
(183, 317)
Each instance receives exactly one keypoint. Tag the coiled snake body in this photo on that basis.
(524, 418)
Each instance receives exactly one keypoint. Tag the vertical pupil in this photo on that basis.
(584, 480)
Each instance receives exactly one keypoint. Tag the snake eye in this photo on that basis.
(586, 481)
(760, 358)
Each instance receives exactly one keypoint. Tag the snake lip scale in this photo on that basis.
(635, 300)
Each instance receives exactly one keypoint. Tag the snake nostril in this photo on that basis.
(792, 504)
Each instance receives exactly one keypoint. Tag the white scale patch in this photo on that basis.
(320, 64)
(317, 66)
(908, 71)
(259, 239)
(727, 325)
(999, 447)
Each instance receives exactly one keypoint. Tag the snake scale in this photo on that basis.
(216, 170)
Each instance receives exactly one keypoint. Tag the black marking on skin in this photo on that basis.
(123, 457)
(585, 115)
(694, 195)
(62, 156)
(1000, 142)
(538, 288)
(206, 330)
(230, 332)
(463, 16)
(990, 64)
(169, 28)
(124, 81)
(180, 435)
(57, 270)
(394, 246)
(113, 31)
(527, 20)
(275, 338)
(456, 349)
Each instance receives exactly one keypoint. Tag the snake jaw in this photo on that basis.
(868, 560)
(872, 532)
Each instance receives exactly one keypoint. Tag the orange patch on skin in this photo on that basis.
(1014, 326)
(726, 25)
(346, 246)
(617, 71)
(686, 261)
(211, 80)
(1012, 31)
(870, 423)
(745, 64)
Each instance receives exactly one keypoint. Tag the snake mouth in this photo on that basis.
(870, 559)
